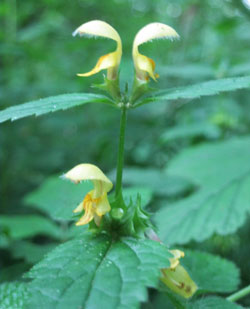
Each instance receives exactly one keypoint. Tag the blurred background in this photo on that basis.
(40, 58)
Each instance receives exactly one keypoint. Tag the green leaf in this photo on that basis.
(30, 252)
(158, 181)
(222, 173)
(212, 87)
(23, 226)
(211, 273)
(58, 197)
(97, 272)
(51, 104)
(211, 303)
(13, 295)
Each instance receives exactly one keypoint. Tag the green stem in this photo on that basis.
(239, 294)
(120, 160)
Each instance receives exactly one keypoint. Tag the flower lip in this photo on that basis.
(87, 171)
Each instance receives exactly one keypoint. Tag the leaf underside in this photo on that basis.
(96, 272)
(221, 172)
(208, 88)
(51, 104)
(13, 295)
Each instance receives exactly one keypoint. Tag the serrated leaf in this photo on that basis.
(222, 201)
(211, 303)
(51, 104)
(13, 295)
(58, 197)
(211, 273)
(97, 272)
(23, 226)
(208, 88)
(158, 181)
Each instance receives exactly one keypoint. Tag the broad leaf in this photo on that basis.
(222, 201)
(51, 104)
(13, 295)
(210, 272)
(212, 87)
(97, 272)
(23, 226)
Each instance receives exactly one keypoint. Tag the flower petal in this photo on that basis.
(88, 215)
(174, 261)
(145, 66)
(88, 172)
(110, 61)
(103, 206)
(104, 62)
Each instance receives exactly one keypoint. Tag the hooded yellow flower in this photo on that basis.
(110, 61)
(95, 204)
(177, 278)
(144, 66)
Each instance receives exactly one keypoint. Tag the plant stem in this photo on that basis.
(120, 159)
(239, 294)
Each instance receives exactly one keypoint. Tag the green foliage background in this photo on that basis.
(179, 154)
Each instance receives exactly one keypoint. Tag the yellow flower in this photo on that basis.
(95, 204)
(177, 278)
(144, 66)
(110, 61)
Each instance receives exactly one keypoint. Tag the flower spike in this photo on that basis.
(109, 61)
(144, 66)
(95, 204)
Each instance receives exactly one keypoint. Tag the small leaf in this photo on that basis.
(58, 197)
(96, 272)
(51, 104)
(13, 295)
(210, 272)
(23, 226)
(212, 87)
(220, 205)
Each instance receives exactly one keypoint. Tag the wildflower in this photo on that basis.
(95, 204)
(144, 66)
(110, 61)
(177, 278)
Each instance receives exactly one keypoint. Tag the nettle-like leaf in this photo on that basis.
(13, 295)
(97, 272)
(211, 273)
(211, 303)
(209, 88)
(221, 203)
(23, 226)
(51, 104)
